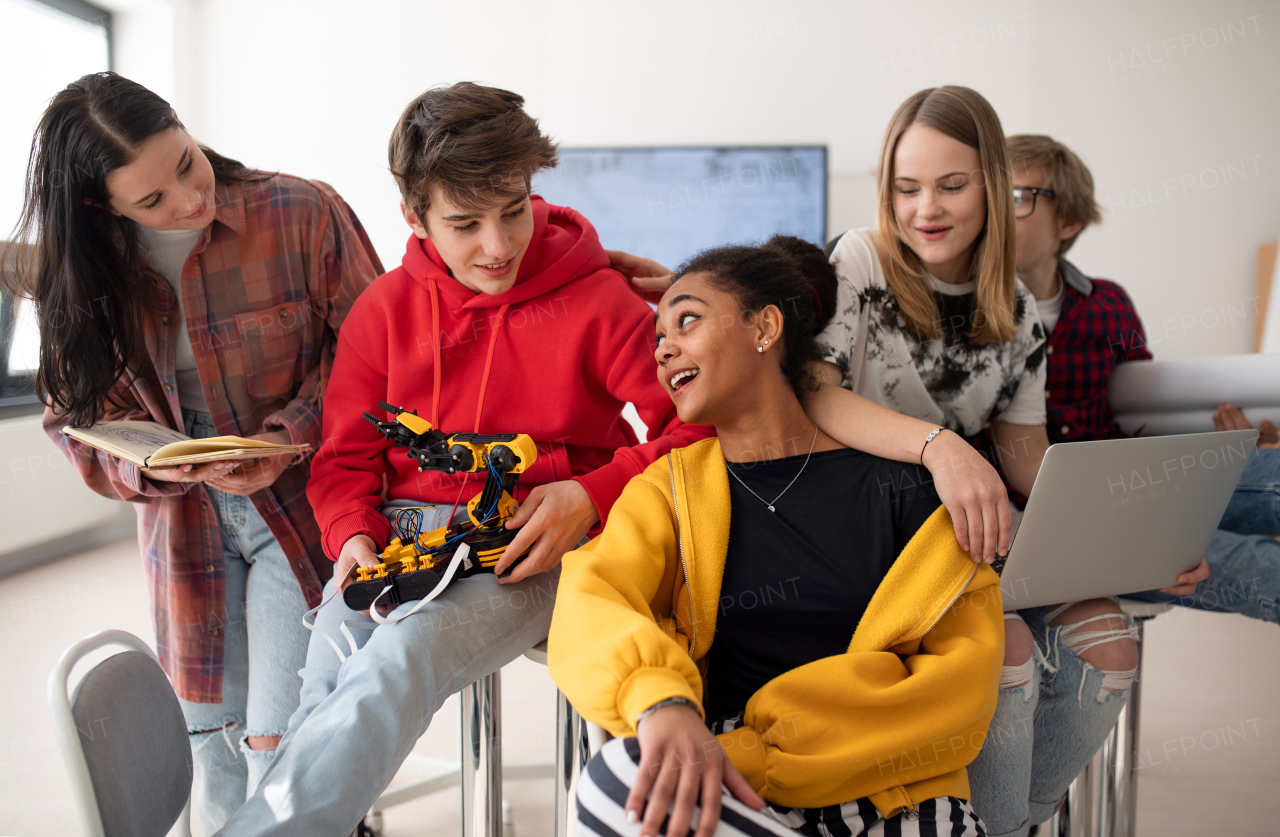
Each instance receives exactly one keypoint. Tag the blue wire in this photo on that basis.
(493, 507)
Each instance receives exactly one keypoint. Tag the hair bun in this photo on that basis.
(809, 259)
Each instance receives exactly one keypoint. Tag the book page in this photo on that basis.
(218, 448)
(131, 440)
(148, 444)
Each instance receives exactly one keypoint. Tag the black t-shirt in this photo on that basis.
(796, 582)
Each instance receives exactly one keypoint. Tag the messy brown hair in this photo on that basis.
(966, 116)
(475, 143)
(1064, 173)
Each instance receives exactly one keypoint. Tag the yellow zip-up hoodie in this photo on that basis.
(895, 718)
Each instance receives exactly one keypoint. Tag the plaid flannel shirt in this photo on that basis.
(1097, 330)
(265, 290)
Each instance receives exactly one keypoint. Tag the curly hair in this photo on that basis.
(787, 272)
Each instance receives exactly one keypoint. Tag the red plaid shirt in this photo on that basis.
(265, 289)
(1097, 330)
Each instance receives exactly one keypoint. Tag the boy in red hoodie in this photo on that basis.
(504, 317)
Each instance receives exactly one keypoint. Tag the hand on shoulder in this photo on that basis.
(973, 493)
(648, 278)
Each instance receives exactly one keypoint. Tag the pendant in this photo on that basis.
(771, 508)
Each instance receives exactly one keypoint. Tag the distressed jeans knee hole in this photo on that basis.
(1018, 677)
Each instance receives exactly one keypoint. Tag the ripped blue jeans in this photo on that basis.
(1052, 715)
(264, 646)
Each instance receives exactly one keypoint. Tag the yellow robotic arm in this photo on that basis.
(413, 563)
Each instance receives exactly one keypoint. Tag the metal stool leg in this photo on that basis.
(1079, 804)
(1059, 825)
(1089, 808)
(1107, 772)
(482, 757)
(572, 754)
(1127, 776)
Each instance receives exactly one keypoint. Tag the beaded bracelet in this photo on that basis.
(671, 701)
(927, 439)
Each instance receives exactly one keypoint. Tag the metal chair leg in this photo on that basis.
(573, 751)
(1107, 773)
(482, 757)
(1127, 778)
(1080, 799)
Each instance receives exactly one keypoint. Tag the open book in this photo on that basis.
(150, 445)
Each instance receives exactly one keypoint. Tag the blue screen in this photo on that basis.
(669, 203)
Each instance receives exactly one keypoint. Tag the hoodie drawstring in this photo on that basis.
(435, 344)
(436, 372)
(488, 362)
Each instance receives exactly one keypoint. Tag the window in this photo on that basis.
(47, 44)
(16, 382)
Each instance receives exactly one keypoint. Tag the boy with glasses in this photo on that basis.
(1092, 327)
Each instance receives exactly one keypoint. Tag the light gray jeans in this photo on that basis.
(359, 719)
(264, 645)
(1043, 733)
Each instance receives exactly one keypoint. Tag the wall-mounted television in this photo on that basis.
(669, 203)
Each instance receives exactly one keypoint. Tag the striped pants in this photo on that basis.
(604, 786)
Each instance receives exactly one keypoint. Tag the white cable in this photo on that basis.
(310, 626)
(345, 628)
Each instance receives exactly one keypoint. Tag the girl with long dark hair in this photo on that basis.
(175, 285)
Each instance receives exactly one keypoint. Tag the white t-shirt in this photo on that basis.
(166, 251)
(945, 381)
(1051, 309)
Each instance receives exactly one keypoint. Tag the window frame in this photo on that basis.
(18, 392)
(89, 13)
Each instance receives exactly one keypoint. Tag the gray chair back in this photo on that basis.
(135, 744)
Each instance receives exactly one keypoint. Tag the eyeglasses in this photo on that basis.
(1024, 200)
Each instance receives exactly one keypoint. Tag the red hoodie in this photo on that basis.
(556, 357)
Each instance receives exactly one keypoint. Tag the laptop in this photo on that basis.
(1120, 516)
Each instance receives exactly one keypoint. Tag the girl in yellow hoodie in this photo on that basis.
(782, 632)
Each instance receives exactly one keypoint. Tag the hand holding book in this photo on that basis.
(234, 476)
(188, 473)
(229, 463)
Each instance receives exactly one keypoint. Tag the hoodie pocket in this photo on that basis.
(272, 339)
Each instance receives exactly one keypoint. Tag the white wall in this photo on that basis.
(1173, 104)
(45, 508)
